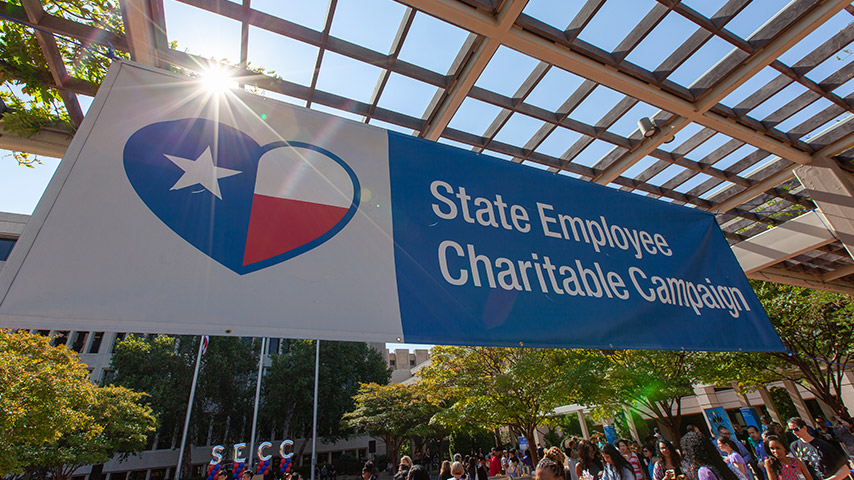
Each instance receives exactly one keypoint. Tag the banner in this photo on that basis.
(718, 417)
(184, 211)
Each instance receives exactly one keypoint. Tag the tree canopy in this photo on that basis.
(53, 418)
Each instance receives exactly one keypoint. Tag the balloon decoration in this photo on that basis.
(285, 466)
(238, 468)
(213, 471)
(263, 467)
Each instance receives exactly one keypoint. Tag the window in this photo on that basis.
(273, 346)
(391, 362)
(79, 341)
(61, 338)
(97, 337)
(108, 377)
(43, 333)
(6, 245)
(412, 363)
(119, 338)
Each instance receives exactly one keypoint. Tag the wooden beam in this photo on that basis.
(798, 279)
(470, 71)
(799, 235)
(543, 49)
(833, 193)
(49, 141)
(838, 273)
(145, 29)
(745, 71)
(55, 62)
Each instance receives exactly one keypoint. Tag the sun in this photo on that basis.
(216, 79)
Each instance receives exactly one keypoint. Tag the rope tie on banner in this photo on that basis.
(843, 365)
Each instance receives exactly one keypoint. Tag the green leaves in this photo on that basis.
(51, 415)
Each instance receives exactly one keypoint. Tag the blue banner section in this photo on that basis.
(489, 252)
(718, 418)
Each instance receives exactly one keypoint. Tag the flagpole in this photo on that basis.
(189, 408)
(251, 454)
(314, 420)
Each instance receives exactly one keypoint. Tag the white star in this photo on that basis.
(200, 171)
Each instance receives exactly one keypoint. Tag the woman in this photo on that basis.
(445, 471)
(457, 471)
(589, 461)
(649, 460)
(734, 459)
(616, 467)
(779, 465)
(631, 457)
(670, 464)
(471, 467)
(705, 461)
(551, 466)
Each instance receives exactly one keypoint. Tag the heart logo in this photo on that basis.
(245, 205)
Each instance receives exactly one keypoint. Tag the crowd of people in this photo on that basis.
(769, 452)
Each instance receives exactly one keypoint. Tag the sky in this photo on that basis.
(433, 44)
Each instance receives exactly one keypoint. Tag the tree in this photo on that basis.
(120, 424)
(517, 387)
(817, 327)
(655, 381)
(23, 66)
(43, 394)
(389, 412)
(162, 366)
(53, 419)
(288, 387)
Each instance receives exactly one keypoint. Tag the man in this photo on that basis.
(368, 471)
(495, 462)
(824, 459)
(757, 445)
(248, 474)
(766, 421)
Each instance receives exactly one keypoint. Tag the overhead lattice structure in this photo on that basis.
(760, 136)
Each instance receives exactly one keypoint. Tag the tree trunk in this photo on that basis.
(532, 444)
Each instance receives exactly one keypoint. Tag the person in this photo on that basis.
(616, 466)
(332, 472)
(657, 433)
(445, 471)
(471, 467)
(670, 461)
(513, 467)
(735, 461)
(765, 420)
(457, 471)
(222, 474)
(630, 457)
(704, 459)
(779, 465)
(757, 450)
(826, 460)
(589, 461)
(739, 447)
(495, 462)
(403, 468)
(367, 471)
(418, 472)
(551, 467)
(324, 473)
(845, 433)
(527, 461)
(648, 458)
(248, 474)
(483, 468)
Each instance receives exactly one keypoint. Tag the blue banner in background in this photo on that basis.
(750, 417)
(610, 434)
(718, 417)
(489, 252)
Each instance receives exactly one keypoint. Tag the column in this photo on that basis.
(706, 398)
(585, 432)
(631, 422)
(769, 404)
(798, 400)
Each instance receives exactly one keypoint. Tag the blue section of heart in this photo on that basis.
(217, 227)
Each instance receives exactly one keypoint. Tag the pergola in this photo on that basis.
(784, 197)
